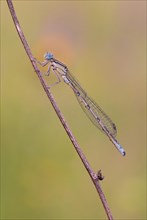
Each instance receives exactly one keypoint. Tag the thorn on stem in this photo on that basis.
(100, 175)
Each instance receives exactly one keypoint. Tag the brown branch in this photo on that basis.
(92, 174)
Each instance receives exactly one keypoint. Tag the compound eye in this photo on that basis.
(48, 56)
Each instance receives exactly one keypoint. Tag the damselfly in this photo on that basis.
(92, 110)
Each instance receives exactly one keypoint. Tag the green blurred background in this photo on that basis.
(103, 44)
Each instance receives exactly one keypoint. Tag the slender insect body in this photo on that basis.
(92, 110)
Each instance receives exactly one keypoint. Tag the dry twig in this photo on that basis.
(92, 174)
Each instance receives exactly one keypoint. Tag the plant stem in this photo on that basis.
(92, 174)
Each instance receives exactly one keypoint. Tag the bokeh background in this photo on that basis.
(103, 44)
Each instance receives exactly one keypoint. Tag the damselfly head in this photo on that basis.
(48, 56)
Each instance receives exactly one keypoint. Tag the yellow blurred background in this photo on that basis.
(103, 44)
